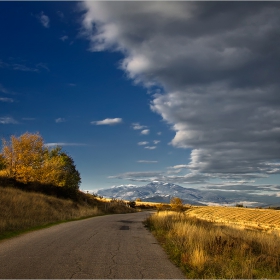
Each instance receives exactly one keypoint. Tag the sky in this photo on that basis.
(179, 92)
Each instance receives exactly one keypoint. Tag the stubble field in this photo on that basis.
(260, 219)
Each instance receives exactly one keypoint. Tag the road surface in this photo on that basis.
(108, 247)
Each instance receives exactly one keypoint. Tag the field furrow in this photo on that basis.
(262, 219)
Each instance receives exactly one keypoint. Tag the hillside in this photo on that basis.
(24, 210)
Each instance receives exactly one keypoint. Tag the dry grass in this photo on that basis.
(21, 210)
(205, 249)
(262, 219)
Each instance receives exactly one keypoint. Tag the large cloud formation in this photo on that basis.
(217, 64)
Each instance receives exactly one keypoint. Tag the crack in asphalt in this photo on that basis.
(95, 248)
(78, 261)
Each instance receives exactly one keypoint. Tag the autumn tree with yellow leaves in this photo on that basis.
(176, 204)
(26, 159)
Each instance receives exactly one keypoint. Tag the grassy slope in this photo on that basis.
(22, 211)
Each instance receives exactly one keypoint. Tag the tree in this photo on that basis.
(51, 171)
(132, 204)
(2, 166)
(23, 157)
(26, 159)
(70, 176)
(177, 204)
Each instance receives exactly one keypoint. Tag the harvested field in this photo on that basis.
(261, 219)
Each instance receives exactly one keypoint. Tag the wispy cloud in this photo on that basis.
(138, 176)
(43, 66)
(108, 122)
(44, 19)
(5, 99)
(60, 120)
(137, 126)
(8, 120)
(150, 176)
(147, 161)
(60, 14)
(150, 147)
(145, 132)
(143, 143)
(156, 142)
(64, 144)
(19, 65)
(4, 90)
(176, 168)
(24, 68)
(179, 166)
(63, 38)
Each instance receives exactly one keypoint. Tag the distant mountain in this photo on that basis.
(162, 192)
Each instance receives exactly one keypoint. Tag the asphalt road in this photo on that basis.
(110, 247)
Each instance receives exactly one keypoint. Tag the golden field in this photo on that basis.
(261, 219)
(204, 248)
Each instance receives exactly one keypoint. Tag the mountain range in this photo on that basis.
(162, 192)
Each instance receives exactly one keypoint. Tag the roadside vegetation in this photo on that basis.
(205, 249)
(21, 210)
(40, 187)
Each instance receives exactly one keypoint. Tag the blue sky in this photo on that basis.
(182, 92)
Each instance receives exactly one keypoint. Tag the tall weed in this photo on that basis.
(205, 249)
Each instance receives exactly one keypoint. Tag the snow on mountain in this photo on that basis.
(161, 192)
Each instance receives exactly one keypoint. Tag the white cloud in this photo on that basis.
(64, 144)
(150, 147)
(108, 122)
(156, 142)
(137, 126)
(145, 132)
(143, 143)
(179, 166)
(60, 120)
(8, 120)
(44, 19)
(147, 161)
